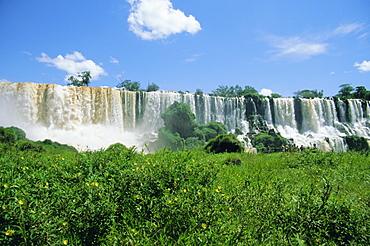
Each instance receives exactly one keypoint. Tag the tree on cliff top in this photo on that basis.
(85, 79)
(129, 85)
(309, 93)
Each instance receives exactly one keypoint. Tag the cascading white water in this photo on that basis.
(97, 117)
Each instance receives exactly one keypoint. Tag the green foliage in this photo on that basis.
(181, 129)
(26, 144)
(83, 79)
(361, 93)
(272, 140)
(212, 129)
(194, 142)
(48, 144)
(120, 197)
(7, 135)
(152, 87)
(167, 138)
(129, 85)
(178, 118)
(18, 132)
(309, 93)
(345, 91)
(233, 91)
(199, 92)
(275, 95)
(357, 143)
(224, 143)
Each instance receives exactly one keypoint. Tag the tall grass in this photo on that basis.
(120, 197)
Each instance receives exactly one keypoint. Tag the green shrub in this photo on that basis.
(168, 139)
(25, 144)
(262, 140)
(178, 118)
(48, 144)
(194, 142)
(18, 132)
(357, 143)
(224, 143)
(7, 135)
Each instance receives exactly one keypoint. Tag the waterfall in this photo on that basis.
(93, 118)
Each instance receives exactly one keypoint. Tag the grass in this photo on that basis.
(120, 197)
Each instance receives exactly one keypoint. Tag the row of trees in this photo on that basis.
(130, 85)
(238, 91)
(83, 79)
(346, 90)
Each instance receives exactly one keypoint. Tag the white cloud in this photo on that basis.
(363, 67)
(73, 64)
(113, 60)
(27, 53)
(297, 48)
(157, 19)
(332, 73)
(266, 92)
(193, 58)
(347, 29)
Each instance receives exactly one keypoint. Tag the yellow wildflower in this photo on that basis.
(6, 185)
(217, 190)
(9, 232)
(175, 199)
(65, 242)
(169, 201)
(230, 209)
(204, 226)
(219, 187)
(185, 190)
(32, 211)
(21, 202)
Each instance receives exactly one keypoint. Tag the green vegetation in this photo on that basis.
(225, 143)
(357, 143)
(181, 131)
(83, 81)
(15, 138)
(268, 141)
(309, 93)
(346, 92)
(135, 86)
(129, 85)
(120, 197)
(152, 87)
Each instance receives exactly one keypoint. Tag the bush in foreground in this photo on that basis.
(120, 197)
(224, 143)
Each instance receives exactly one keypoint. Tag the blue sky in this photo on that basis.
(282, 46)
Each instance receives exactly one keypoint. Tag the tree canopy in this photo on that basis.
(233, 91)
(129, 85)
(347, 91)
(83, 79)
(152, 87)
(309, 93)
